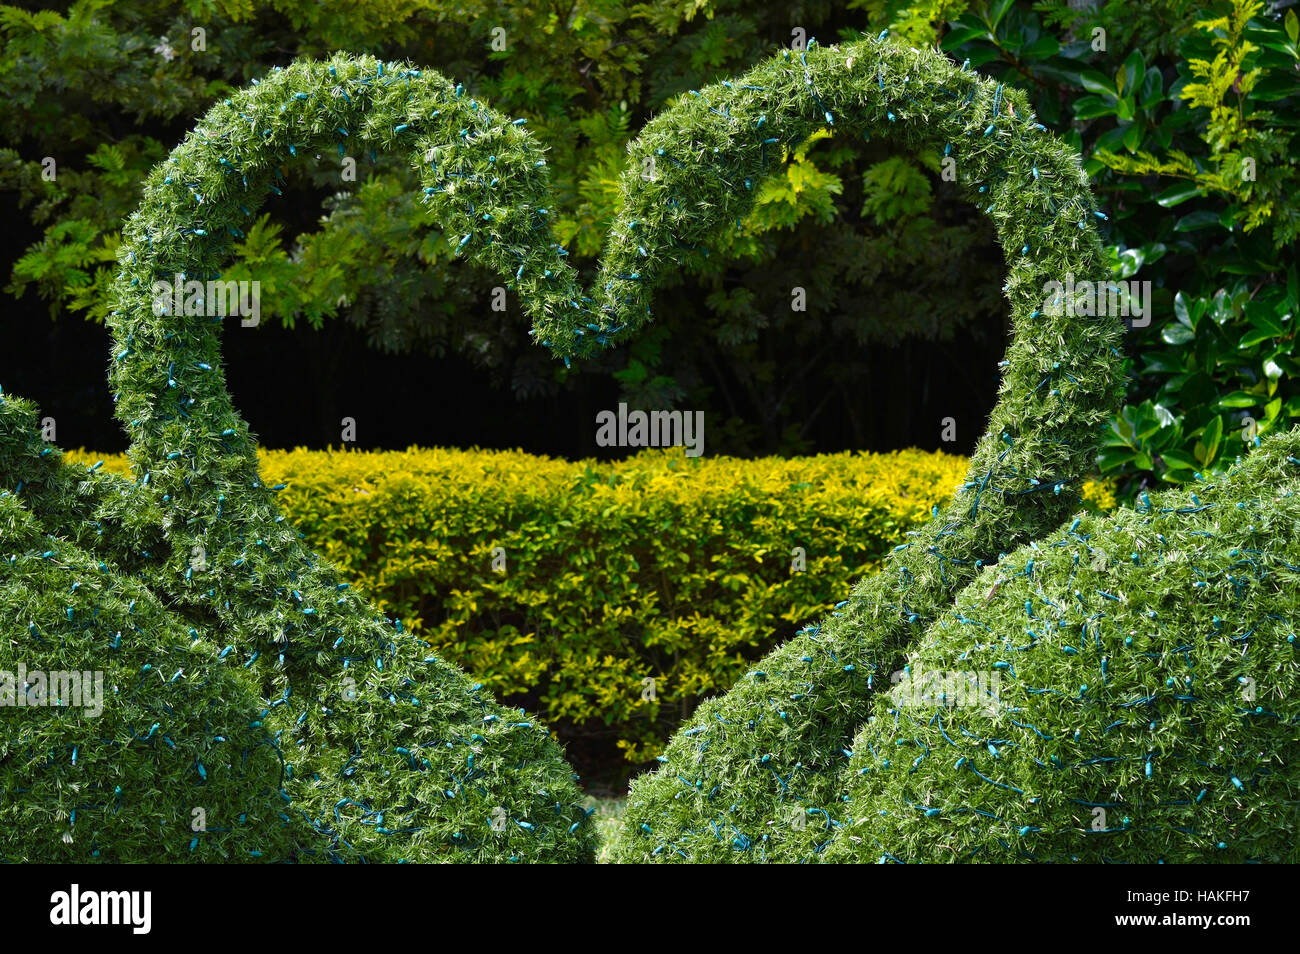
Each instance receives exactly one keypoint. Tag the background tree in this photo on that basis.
(868, 237)
(1186, 112)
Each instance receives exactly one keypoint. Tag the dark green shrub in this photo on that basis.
(1186, 113)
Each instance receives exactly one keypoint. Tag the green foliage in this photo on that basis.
(300, 770)
(804, 190)
(176, 729)
(1187, 118)
(586, 77)
(1227, 365)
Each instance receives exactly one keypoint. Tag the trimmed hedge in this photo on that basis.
(660, 566)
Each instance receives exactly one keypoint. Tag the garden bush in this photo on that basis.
(666, 567)
(1187, 113)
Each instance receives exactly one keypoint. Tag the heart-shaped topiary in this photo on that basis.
(374, 734)
(389, 757)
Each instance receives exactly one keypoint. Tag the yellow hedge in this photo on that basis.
(659, 567)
